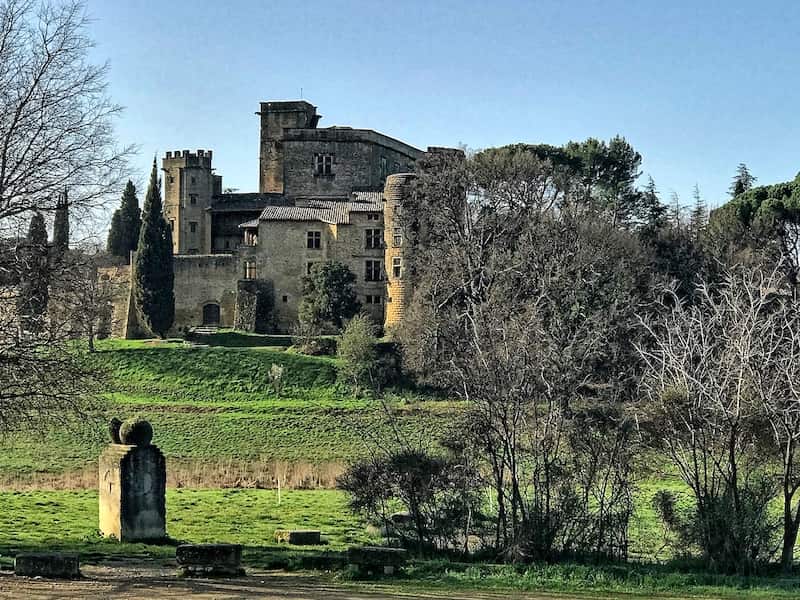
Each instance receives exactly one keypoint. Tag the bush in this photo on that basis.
(440, 495)
(358, 352)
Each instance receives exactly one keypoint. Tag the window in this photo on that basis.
(285, 298)
(171, 179)
(373, 299)
(323, 164)
(314, 240)
(374, 238)
(397, 264)
(384, 167)
(373, 216)
(193, 180)
(250, 269)
(227, 244)
(372, 271)
(389, 300)
(172, 224)
(309, 266)
(192, 198)
(193, 226)
(397, 238)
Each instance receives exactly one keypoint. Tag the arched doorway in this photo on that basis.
(211, 314)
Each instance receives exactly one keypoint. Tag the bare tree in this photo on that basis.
(55, 134)
(716, 375)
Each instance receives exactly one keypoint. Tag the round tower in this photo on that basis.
(397, 190)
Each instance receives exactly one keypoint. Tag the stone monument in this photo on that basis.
(133, 481)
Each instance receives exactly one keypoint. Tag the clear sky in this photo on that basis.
(696, 87)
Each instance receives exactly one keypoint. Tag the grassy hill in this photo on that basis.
(214, 409)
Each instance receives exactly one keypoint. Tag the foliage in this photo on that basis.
(743, 181)
(34, 277)
(154, 278)
(358, 353)
(123, 237)
(328, 298)
(255, 306)
(61, 226)
(440, 496)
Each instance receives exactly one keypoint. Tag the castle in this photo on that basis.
(325, 194)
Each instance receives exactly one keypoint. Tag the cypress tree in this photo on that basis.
(123, 237)
(61, 226)
(34, 276)
(154, 277)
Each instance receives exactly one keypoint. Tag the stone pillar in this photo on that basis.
(132, 480)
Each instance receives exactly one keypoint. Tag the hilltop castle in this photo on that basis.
(325, 194)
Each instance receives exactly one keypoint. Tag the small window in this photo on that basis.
(285, 298)
(373, 216)
(323, 164)
(193, 180)
(314, 240)
(172, 224)
(192, 199)
(171, 179)
(374, 239)
(193, 226)
(373, 299)
(372, 271)
(397, 238)
(397, 263)
(227, 244)
(384, 167)
(389, 300)
(250, 269)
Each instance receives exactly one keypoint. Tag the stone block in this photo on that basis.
(299, 537)
(132, 481)
(210, 559)
(377, 557)
(52, 565)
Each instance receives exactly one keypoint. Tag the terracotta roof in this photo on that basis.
(326, 211)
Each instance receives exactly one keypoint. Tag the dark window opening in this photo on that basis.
(374, 239)
(314, 240)
(323, 164)
(372, 271)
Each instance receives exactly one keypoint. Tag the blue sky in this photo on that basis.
(696, 87)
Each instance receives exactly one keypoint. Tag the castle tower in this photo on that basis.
(398, 189)
(275, 117)
(189, 185)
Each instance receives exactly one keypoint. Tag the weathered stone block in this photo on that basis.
(376, 557)
(51, 565)
(132, 482)
(299, 537)
(210, 559)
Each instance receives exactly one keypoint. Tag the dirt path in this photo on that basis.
(148, 581)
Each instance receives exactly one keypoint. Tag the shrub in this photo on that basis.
(439, 494)
(358, 352)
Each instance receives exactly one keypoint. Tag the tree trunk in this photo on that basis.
(790, 527)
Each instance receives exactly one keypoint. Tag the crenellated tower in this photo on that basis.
(189, 186)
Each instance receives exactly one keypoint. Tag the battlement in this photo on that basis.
(201, 158)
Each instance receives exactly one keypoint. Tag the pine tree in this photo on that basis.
(154, 279)
(123, 237)
(34, 277)
(654, 213)
(676, 211)
(698, 219)
(61, 226)
(742, 181)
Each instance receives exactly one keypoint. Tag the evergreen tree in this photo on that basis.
(328, 297)
(34, 277)
(61, 226)
(154, 279)
(698, 219)
(742, 181)
(123, 237)
(653, 212)
(676, 211)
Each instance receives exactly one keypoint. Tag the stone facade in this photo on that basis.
(321, 197)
